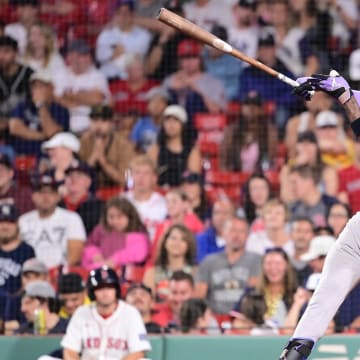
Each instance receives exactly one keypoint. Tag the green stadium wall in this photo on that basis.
(197, 347)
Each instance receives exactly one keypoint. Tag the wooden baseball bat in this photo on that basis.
(196, 32)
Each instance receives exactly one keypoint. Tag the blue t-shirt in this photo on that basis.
(27, 112)
(144, 133)
(11, 263)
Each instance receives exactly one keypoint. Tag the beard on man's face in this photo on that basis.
(7, 236)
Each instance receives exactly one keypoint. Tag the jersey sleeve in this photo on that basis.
(137, 340)
(72, 339)
(76, 227)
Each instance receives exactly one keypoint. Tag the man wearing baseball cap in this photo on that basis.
(190, 85)
(140, 296)
(13, 254)
(56, 234)
(105, 149)
(38, 118)
(41, 296)
(72, 294)
(78, 196)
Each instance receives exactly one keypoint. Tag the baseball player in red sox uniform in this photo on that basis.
(342, 265)
(108, 329)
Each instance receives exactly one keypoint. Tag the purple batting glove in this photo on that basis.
(333, 84)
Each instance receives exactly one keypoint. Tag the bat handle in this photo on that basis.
(291, 82)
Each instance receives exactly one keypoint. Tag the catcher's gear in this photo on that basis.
(297, 349)
(103, 276)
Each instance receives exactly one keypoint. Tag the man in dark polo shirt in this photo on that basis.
(78, 183)
(10, 191)
(37, 119)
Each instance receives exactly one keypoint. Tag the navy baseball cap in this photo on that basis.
(6, 161)
(138, 285)
(43, 180)
(71, 283)
(79, 46)
(81, 166)
(129, 3)
(9, 42)
(8, 213)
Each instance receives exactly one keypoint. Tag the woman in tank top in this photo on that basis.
(174, 152)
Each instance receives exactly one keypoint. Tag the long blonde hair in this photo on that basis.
(50, 42)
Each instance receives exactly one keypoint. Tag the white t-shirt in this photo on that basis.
(208, 15)
(136, 41)
(92, 79)
(258, 242)
(152, 211)
(49, 236)
(245, 40)
(113, 338)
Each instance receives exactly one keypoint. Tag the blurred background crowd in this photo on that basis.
(210, 188)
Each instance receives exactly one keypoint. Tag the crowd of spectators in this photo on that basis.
(103, 161)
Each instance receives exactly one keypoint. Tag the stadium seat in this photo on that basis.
(25, 166)
(105, 194)
(208, 122)
(228, 184)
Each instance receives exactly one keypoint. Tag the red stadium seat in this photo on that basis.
(107, 193)
(208, 122)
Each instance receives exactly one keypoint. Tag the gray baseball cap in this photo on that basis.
(34, 265)
(40, 289)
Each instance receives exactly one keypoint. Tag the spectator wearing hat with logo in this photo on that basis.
(57, 235)
(105, 150)
(37, 119)
(61, 151)
(174, 153)
(80, 85)
(40, 295)
(72, 294)
(337, 149)
(78, 196)
(222, 66)
(268, 87)
(10, 191)
(13, 253)
(244, 33)
(141, 297)
(120, 39)
(190, 86)
(14, 77)
(146, 129)
(251, 140)
(32, 270)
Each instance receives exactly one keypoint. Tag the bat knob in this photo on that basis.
(333, 73)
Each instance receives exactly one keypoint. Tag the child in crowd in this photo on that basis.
(120, 238)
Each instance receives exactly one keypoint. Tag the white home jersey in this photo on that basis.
(113, 338)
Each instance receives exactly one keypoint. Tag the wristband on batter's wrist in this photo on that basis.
(355, 126)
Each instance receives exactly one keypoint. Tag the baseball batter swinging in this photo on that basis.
(342, 266)
(109, 329)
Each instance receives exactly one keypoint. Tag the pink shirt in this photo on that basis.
(120, 248)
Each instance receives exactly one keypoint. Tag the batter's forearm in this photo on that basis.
(352, 109)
